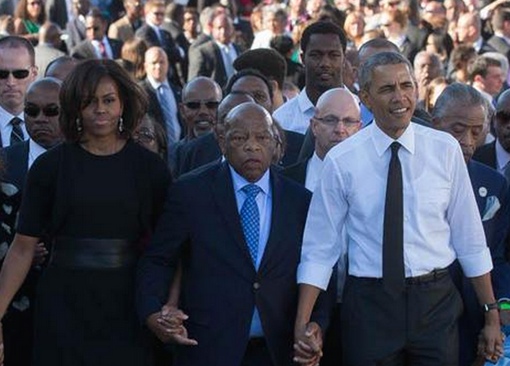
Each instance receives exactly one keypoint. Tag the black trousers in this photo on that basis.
(418, 328)
(257, 354)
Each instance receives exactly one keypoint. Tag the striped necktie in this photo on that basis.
(16, 132)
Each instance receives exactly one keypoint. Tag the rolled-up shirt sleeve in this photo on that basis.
(321, 247)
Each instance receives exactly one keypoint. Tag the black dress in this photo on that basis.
(87, 316)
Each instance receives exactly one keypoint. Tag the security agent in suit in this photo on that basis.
(41, 118)
(239, 302)
(462, 111)
(496, 154)
(97, 45)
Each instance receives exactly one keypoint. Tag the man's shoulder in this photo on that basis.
(289, 107)
(434, 136)
(483, 173)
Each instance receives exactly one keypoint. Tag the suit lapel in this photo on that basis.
(221, 73)
(224, 195)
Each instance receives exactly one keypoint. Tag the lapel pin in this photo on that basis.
(482, 191)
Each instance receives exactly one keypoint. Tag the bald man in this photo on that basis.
(47, 48)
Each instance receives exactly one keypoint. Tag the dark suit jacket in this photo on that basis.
(149, 35)
(181, 41)
(16, 163)
(297, 171)
(85, 49)
(487, 154)
(206, 60)
(57, 12)
(155, 111)
(220, 286)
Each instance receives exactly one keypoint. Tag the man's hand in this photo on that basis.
(168, 326)
(490, 341)
(40, 254)
(308, 344)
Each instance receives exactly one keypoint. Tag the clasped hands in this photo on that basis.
(491, 343)
(168, 326)
(308, 344)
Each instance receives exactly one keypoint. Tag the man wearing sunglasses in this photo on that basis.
(17, 71)
(41, 111)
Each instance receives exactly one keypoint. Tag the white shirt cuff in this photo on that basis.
(476, 264)
(314, 274)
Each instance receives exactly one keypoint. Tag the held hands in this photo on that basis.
(490, 342)
(168, 326)
(40, 254)
(308, 344)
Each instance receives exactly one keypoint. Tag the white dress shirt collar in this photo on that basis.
(156, 84)
(313, 171)
(106, 44)
(304, 102)
(34, 150)
(382, 141)
(502, 157)
(6, 128)
(239, 181)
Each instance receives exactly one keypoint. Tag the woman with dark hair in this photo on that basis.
(96, 196)
(133, 51)
(441, 43)
(29, 16)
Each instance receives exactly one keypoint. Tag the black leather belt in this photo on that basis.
(433, 276)
(79, 253)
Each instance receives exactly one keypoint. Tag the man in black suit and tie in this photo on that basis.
(17, 71)
(164, 98)
(41, 118)
(496, 154)
(462, 111)
(154, 35)
(239, 257)
(215, 58)
(97, 44)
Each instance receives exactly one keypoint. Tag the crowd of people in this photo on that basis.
(254, 183)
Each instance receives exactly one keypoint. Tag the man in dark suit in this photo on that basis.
(469, 32)
(496, 154)
(75, 27)
(215, 57)
(97, 45)
(462, 112)
(238, 260)
(155, 36)
(164, 98)
(41, 118)
(501, 27)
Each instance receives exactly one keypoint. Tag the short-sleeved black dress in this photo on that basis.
(87, 316)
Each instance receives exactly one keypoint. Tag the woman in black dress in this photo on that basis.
(96, 195)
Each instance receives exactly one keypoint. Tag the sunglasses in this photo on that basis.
(18, 74)
(50, 110)
(196, 105)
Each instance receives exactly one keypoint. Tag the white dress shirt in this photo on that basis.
(173, 107)
(502, 157)
(6, 127)
(294, 115)
(313, 171)
(107, 48)
(34, 151)
(441, 218)
(228, 55)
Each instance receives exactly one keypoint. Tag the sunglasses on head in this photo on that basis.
(50, 110)
(18, 74)
(196, 105)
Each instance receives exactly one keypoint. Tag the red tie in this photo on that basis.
(102, 50)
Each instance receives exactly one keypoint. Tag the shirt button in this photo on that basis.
(256, 286)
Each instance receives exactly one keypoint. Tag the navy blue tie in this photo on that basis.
(250, 220)
(16, 132)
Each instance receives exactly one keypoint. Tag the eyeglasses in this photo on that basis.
(18, 74)
(50, 110)
(196, 105)
(332, 121)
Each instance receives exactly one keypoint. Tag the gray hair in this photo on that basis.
(380, 59)
(460, 95)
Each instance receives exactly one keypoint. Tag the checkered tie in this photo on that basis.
(16, 132)
(250, 219)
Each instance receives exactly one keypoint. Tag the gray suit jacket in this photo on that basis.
(44, 54)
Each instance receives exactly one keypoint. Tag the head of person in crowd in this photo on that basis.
(323, 46)
(501, 21)
(6, 25)
(254, 83)
(454, 8)
(434, 13)
(60, 67)
(100, 101)
(190, 23)
(133, 9)
(337, 117)
(250, 141)
(313, 7)
(433, 91)
(222, 29)
(199, 106)
(329, 13)
(350, 70)
(502, 120)
(354, 27)
(440, 43)
(152, 136)
(227, 104)
(133, 51)
(175, 13)
(17, 72)
(427, 66)
(271, 64)
(42, 110)
(394, 25)
(468, 29)
(373, 46)
(274, 19)
(290, 90)
(461, 111)
(95, 25)
(154, 11)
(462, 56)
(388, 89)
(32, 10)
(391, 5)
(49, 34)
(486, 75)
(503, 60)
(156, 64)
(80, 7)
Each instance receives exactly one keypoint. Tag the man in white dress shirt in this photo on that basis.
(400, 306)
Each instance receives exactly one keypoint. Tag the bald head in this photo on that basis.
(202, 85)
(375, 46)
(61, 67)
(156, 64)
(50, 33)
(337, 117)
